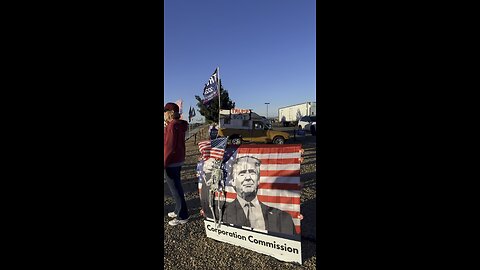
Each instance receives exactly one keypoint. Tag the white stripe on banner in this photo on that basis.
(271, 192)
(284, 206)
(280, 179)
(296, 221)
(279, 192)
(273, 167)
(272, 156)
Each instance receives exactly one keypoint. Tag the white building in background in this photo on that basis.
(293, 113)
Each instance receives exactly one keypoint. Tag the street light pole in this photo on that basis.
(267, 109)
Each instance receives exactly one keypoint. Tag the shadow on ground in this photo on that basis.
(308, 225)
(193, 205)
(304, 177)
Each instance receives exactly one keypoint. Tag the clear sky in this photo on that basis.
(266, 51)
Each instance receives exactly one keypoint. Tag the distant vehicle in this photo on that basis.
(313, 129)
(292, 114)
(267, 122)
(248, 127)
(306, 121)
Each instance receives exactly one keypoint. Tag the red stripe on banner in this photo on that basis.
(279, 199)
(297, 228)
(266, 198)
(281, 161)
(279, 173)
(279, 186)
(229, 195)
(263, 146)
(268, 149)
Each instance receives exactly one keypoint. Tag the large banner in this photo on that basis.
(257, 203)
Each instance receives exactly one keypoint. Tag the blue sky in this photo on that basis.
(266, 51)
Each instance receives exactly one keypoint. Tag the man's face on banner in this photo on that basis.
(246, 174)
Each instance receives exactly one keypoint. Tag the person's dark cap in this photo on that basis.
(171, 107)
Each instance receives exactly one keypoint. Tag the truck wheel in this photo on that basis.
(236, 141)
(278, 140)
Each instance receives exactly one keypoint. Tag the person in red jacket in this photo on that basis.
(173, 158)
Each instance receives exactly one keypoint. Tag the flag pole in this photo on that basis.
(219, 94)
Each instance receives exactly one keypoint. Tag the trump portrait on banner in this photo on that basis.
(246, 209)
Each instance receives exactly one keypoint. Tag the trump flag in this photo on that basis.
(212, 88)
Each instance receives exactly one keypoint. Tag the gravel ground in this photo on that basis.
(187, 246)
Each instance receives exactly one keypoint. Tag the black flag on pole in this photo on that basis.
(211, 89)
(191, 113)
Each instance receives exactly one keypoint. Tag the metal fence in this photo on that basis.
(199, 133)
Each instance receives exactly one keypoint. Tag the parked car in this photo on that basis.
(306, 121)
(313, 129)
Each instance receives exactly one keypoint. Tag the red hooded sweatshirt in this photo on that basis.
(174, 143)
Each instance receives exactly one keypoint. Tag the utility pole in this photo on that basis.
(267, 108)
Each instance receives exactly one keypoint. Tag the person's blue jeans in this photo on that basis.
(172, 175)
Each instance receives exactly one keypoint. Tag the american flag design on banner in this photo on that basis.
(279, 183)
(213, 149)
